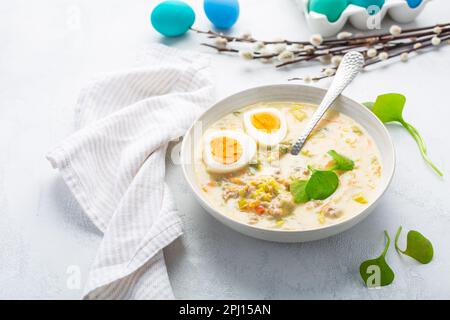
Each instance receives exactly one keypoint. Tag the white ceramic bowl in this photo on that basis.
(298, 93)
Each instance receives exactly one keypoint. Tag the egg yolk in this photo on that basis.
(226, 150)
(265, 121)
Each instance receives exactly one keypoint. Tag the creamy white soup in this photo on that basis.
(245, 170)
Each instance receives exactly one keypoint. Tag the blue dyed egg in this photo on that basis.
(330, 8)
(222, 13)
(172, 18)
(367, 3)
(414, 3)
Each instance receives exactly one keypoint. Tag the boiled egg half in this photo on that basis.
(267, 126)
(226, 151)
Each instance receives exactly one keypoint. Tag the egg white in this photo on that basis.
(264, 138)
(248, 151)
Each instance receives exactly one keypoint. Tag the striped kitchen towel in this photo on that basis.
(115, 166)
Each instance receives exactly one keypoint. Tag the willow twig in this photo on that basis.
(375, 47)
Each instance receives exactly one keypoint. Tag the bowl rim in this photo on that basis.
(205, 203)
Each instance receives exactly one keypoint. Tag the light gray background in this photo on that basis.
(49, 48)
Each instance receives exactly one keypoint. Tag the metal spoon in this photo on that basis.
(350, 66)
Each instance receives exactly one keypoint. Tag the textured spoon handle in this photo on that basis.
(349, 67)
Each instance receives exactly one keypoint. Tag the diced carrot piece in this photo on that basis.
(236, 180)
(260, 209)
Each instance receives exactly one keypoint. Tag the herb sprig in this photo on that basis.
(376, 272)
(417, 246)
(322, 183)
(341, 162)
(389, 108)
(298, 191)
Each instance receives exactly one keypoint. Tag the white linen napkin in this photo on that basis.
(115, 166)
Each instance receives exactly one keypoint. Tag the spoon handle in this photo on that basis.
(350, 66)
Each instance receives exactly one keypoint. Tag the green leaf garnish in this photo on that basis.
(368, 104)
(341, 162)
(298, 191)
(256, 164)
(322, 184)
(376, 272)
(389, 108)
(284, 148)
(417, 246)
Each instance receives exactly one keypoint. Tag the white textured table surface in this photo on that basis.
(50, 48)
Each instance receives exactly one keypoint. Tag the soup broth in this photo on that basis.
(253, 187)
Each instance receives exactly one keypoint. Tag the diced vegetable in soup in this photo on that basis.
(245, 170)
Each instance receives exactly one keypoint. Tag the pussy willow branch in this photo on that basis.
(373, 61)
(388, 36)
(329, 42)
(378, 46)
(212, 34)
(391, 44)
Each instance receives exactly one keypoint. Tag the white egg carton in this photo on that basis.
(359, 17)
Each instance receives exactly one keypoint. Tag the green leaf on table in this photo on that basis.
(341, 162)
(376, 272)
(389, 108)
(417, 246)
(322, 184)
(298, 191)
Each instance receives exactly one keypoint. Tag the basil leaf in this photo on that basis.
(322, 184)
(298, 191)
(417, 246)
(341, 162)
(376, 272)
